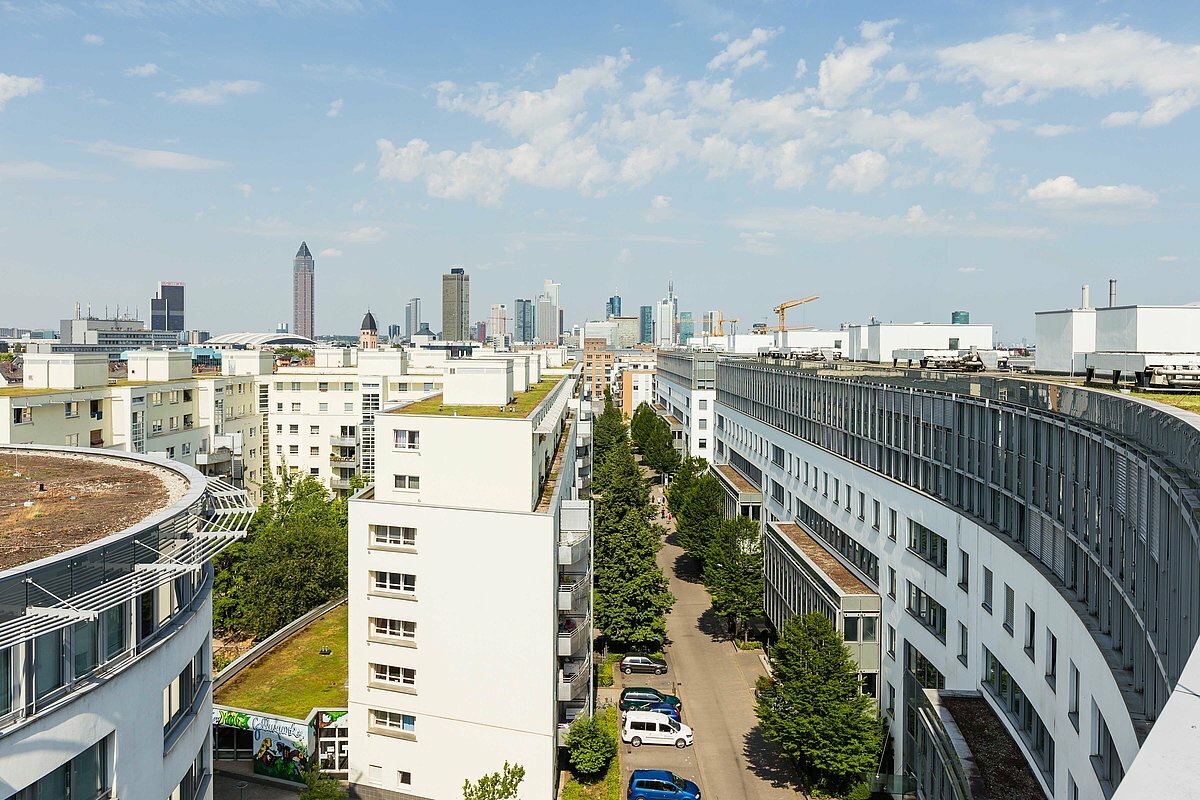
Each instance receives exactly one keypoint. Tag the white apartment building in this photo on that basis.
(470, 587)
(104, 673)
(685, 396)
(208, 421)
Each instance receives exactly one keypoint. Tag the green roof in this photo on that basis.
(524, 403)
(293, 678)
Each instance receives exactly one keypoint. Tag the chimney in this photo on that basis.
(1112, 292)
(1086, 296)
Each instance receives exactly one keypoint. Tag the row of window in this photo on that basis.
(1000, 683)
(347, 408)
(84, 777)
(180, 694)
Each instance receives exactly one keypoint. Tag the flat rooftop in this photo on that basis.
(844, 579)
(293, 678)
(735, 479)
(74, 499)
(524, 404)
(1006, 773)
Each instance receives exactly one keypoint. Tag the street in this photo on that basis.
(716, 684)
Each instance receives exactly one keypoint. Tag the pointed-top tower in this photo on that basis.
(368, 333)
(302, 292)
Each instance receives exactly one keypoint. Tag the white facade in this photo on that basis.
(1064, 339)
(685, 388)
(742, 343)
(876, 342)
(470, 567)
(127, 712)
(838, 341)
(1148, 329)
(601, 330)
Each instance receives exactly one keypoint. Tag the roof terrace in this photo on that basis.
(523, 404)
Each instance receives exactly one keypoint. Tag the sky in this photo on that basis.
(955, 155)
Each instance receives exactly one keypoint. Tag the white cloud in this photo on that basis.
(860, 173)
(741, 54)
(93, 39)
(330, 252)
(12, 86)
(214, 92)
(1167, 259)
(36, 170)
(359, 167)
(1051, 131)
(142, 71)
(1064, 192)
(827, 225)
(335, 108)
(154, 159)
(760, 243)
(660, 201)
(843, 73)
(801, 69)
(365, 234)
(970, 269)
(245, 188)
(1096, 62)
(624, 256)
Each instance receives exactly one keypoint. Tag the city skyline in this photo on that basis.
(838, 152)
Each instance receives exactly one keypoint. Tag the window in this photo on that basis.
(348, 407)
(987, 590)
(395, 582)
(1009, 608)
(875, 514)
(82, 778)
(114, 624)
(850, 629)
(892, 524)
(1105, 759)
(962, 643)
(293, 449)
(71, 409)
(891, 641)
(1051, 658)
(320, 407)
(394, 720)
(295, 386)
(407, 481)
(964, 570)
(1030, 631)
(891, 583)
(406, 440)
(862, 506)
(403, 778)
(869, 629)
(393, 628)
(6, 693)
(1073, 696)
(294, 428)
(891, 699)
(428, 387)
(85, 646)
(777, 455)
(314, 430)
(314, 451)
(702, 443)
(48, 664)
(394, 536)
(279, 406)
(295, 406)
(930, 612)
(279, 449)
(347, 386)
(926, 544)
(386, 673)
(322, 386)
(314, 471)
(837, 491)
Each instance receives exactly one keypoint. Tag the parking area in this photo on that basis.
(679, 761)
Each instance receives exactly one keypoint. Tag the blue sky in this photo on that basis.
(901, 165)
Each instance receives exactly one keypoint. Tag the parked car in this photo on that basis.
(650, 727)
(659, 784)
(665, 708)
(641, 697)
(637, 663)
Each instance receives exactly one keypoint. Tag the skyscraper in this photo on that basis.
(412, 317)
(666, 331)
(613, 307)
(647, 325)
(523, 321)
(687, 326)
(497, 326)
(166, 307)
(394, 332)
(549, 313)
(302, 292)
(456, 305)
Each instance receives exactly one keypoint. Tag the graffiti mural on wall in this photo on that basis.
(281, 746)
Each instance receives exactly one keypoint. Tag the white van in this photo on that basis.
(651, 727)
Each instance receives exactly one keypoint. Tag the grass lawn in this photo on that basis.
(293, 678)
(1188, 402)
(608, 787)
(524, 403)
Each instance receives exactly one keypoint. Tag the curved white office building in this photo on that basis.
(106, 623)
(1014, 564)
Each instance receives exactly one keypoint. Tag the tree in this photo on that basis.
(659, 448)
(814, 709)
(293, 560)
(496, 786)
(590, 746)
(698, 514)
(683, 481)
(320, 786)
(733, 571)
(608, 431)
(640, 425)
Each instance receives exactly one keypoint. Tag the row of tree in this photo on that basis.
(293, 560)
(652, 438)
(631, 596)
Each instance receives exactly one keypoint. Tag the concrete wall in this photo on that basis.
(479, 385)
(159, 365)
(1064, 338)
(65, 371)
(1148, 329)
(883, 339)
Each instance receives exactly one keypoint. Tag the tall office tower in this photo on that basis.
(302, 292)
(666, 331)
(687, 326)
(166, 308)
(394, 331)
(547, 321)
(498, 321)
(710, 320)
(647, 325)
(551, 290)
(612, 308)
(456, 305)
(523, 321)
(412, 317)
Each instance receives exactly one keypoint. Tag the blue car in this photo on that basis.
(665, 708)
(659, 784)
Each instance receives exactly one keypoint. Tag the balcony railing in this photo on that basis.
(339, 460)
(572, 589)
(574, 634)
(573, 679)
(339, 440)
(340, 483)
(218, 455)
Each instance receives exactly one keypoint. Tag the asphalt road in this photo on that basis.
(716, 684)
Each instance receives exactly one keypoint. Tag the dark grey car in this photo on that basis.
(636, 663)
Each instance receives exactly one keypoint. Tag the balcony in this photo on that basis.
(574, 634)
(220, 455)
(338, 440)
(573, 588)
(574, 548)
(573, 679)
(340, 460)
(340, 483)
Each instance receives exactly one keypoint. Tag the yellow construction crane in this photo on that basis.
(719, 321)
(782, 308)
